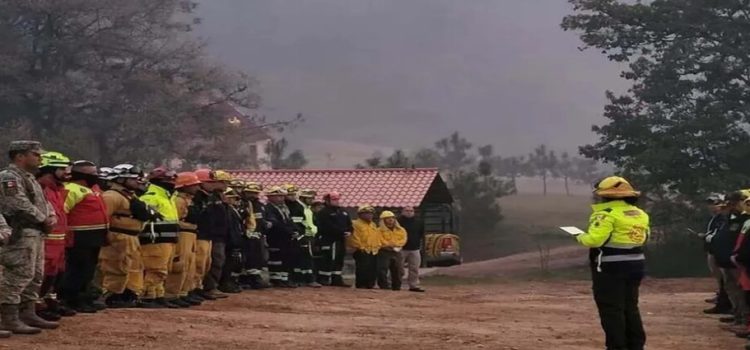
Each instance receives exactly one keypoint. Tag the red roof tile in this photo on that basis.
(377, 187)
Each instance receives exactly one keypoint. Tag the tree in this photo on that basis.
(682, 128)
(543, 163)
(566, 169)
(454, 152)
(115, 81)
(278, 159)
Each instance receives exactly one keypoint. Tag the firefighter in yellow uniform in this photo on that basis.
(120, 260)
(366, 243)
(181, 275)
(393, 239)
(159, 237)
(617, 232)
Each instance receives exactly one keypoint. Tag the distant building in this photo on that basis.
(255, 145)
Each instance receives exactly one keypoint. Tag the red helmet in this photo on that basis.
(332, 196)
(187, 179)
(205, 175)
(162, 174)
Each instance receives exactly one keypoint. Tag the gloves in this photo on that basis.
(142, 212)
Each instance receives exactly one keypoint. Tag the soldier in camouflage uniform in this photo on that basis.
(22, 257)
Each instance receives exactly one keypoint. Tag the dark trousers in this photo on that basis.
(616, 296)
(722, 300)
(390, 261)
(366, 269)
(303, 262)
(253, 262)
(232, 266)
(279, 260)
(332, 261)
(80, 267)
(218, 259)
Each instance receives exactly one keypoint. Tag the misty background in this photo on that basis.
(381, 74)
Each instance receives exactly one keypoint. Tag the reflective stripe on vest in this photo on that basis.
(626, 257)
(55, 237)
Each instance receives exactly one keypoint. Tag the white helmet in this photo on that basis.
(106, 173)
(127, 171)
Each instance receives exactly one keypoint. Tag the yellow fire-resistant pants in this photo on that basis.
(202, 262)
(184, 258)
(119, 261)
(157, 260)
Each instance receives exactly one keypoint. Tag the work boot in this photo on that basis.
(728, 319)
(149, 304)
(80, 307)
(167, 304)
(714, 311)
(119, 301)
(313, 285)
(417, 290)
(28, 316)
(216, 294)
(179, 303)
(196, 294)
(192, 301)
(97, 304)
(49, 315)
(65, 311)
(55, 306)
(5, 334)
(230, 288)
(324, 281)
(338, 281)
(205, 295)
(9, 321)
(257, 282)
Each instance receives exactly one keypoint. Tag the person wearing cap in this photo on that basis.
(715, 206)
(179, 281)
(301, 267)
(412, 253)
(228, 279)
(280, 235)
(255, 262)
(741, 259)
(723, 246)
(392, 240)
(89, 222)
(366, 243)
(54, 171)
(244, 208)
(334, 227)
(213, 231)
(120, 261)
(305, 263)
(617, 233)
(159, 237)
(22, 253)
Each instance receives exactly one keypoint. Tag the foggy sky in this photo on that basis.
(402, 73)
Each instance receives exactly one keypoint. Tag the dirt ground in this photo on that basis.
(505, 315)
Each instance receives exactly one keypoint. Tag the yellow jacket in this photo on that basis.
(617, 233)
(392, 238)
(118, 209)
(182, 202)
(365, 237)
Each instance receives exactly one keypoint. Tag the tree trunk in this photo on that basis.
(544, 182)
(567, 189)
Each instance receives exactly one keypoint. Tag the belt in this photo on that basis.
(625, 257)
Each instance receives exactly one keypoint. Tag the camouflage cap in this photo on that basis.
(26, 146)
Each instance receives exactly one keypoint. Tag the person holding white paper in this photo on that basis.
(617, 232)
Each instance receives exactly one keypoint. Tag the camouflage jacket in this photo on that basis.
(22, 201)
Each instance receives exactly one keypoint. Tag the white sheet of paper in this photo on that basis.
(572, 230)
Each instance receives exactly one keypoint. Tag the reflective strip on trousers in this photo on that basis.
(336, 273)
(253, 272)
(325, 273)
(619, 258)
(325, 247)
(274, 263)
(306, 272)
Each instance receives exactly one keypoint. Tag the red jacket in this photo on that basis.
(87, 214)
(55, 194)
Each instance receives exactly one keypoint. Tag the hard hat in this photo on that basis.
(252, 187)
(615, 187)
(318, 200)
(186, 179)
(162, 174)
(205, 175)
(387, 214)
(715, 199)
(107, 174)
(276, 191)
(54, 160)
(307, 193)
(291, 189)
(365, 209)
(221, 175)
(237, 183)
(231, 193)
(128, 171)
(332, 196)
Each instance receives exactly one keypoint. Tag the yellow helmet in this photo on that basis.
(615, 187)
(291, 189)
(387, 214)
(230, 192)
(54, 160)
(307, 193)
(366, 208)
(221, 175)
(252, 187)
(237, 184)
(276, 191)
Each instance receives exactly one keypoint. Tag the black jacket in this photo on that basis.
(236, 227)
(723, 244)
(414, 232)
(297, 212)
(213, 217)
(333, 222)
(259, 210)
(282, 228)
